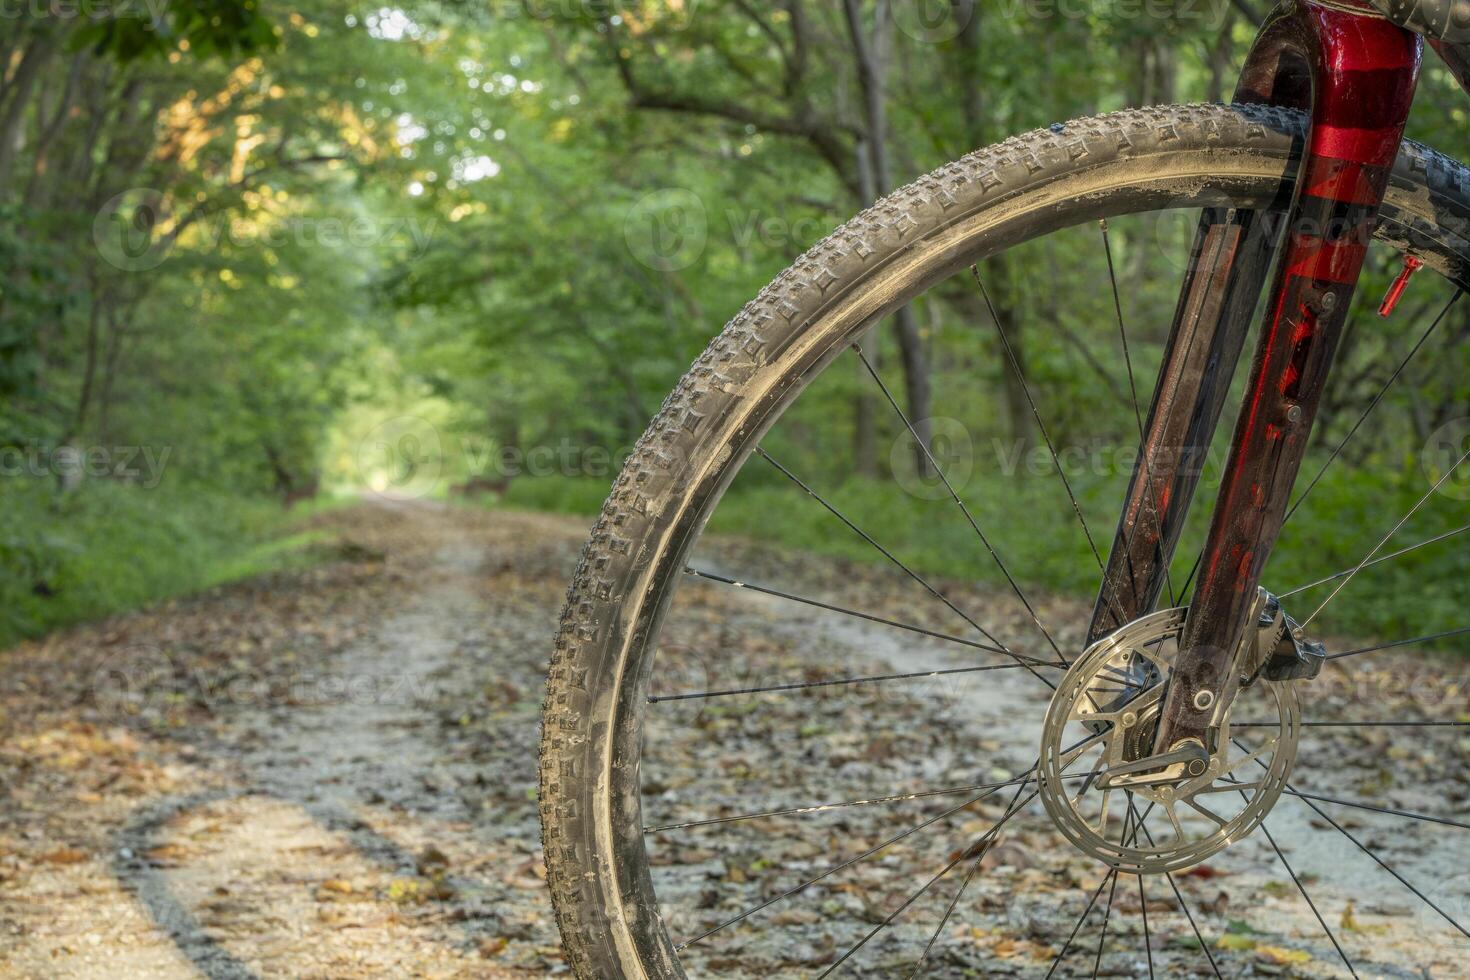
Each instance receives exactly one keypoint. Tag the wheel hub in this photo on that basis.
(1142, 818)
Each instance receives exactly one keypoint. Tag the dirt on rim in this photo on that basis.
(331, 773)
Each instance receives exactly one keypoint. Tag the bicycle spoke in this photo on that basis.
(1046, 436)
(895, 560)
(1069, 756)
(974, 525)
(896, 624)
(831, 871)
(1310, 904)
(1383, 864)
(1110, 879)
(1097, 767)
(1384, 540)
(959, 892)
(809, 685)
(1407, 814)
(824, 807)
(1189, 579)
(891, 916)
(944, 919)
(1301, 887)
(1148, 947)
(1356, 724)
(1399, 643)
(1137, 410)
(1373, 404)
(1184, 906)
(1066, 947)
(1366, 850)
(1102, 939)
(1122, 331)
(1011, 811)
(1381, 558)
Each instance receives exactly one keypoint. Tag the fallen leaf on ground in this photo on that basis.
(1283, 957)
(65, 855)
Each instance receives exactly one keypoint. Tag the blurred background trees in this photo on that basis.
(326, 246)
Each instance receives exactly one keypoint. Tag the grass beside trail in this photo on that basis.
(106, 548)
(1032, 526)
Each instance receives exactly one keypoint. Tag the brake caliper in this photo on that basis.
(1283, 653)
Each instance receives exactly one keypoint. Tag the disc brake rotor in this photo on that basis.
(1104, 713)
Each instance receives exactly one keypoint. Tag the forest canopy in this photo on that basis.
(254, 253)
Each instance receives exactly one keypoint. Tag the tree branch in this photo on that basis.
(823, 137)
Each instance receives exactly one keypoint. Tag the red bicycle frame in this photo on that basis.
(1355, 72)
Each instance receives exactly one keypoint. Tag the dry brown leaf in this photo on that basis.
(65, 855)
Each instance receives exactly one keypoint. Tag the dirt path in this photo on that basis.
(350, 793)
(332, 774)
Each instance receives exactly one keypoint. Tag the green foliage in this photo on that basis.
(1417, 594)
(207, 27)
(108, 548)
(264, 240)
(580, 496)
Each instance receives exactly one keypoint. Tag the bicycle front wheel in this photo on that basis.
(814, 771)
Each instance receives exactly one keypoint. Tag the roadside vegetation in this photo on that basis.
(464, 251)
(106, 548)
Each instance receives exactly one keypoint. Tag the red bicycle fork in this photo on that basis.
(1355, 73)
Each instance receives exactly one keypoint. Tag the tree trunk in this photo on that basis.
(18, 96)
(51, 128)
(872, 65)
(1008, 324)
(972, 101)
(864, 403)
(1155, 72)
(864, 427)
(120, 320)
(1221, 59)
(89, 364)
(994, 271)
